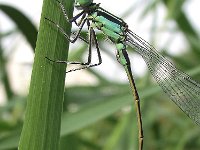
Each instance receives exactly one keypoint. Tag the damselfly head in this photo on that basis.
(82, 3)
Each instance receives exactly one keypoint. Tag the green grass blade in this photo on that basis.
(4, 75)
(41, 128)
(185, 26)
(92, 113)
(114, 139)
(22, 22)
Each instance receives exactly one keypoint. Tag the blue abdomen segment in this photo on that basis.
(109, 24)
(111, 27)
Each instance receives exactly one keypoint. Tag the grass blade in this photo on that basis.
(22, 22)
(41, 128)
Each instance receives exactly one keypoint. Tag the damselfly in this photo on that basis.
(181, 89)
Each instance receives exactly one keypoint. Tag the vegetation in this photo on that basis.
(95, 117)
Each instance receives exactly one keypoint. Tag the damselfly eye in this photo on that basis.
(83, 3)
(77, 6)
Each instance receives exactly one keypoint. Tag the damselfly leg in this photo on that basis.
(92, 39)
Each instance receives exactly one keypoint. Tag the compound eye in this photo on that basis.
(83, 3)
(78, 6)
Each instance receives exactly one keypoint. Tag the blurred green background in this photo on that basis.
(98, 112)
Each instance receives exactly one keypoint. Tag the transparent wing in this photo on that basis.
(179, 86)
